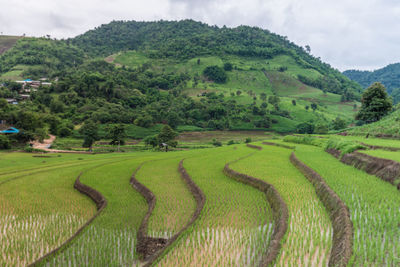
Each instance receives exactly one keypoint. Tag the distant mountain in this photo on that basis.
(389, 76)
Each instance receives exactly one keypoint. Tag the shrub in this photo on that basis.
(4, 142)
(216, 142)
(216, 74)
(305, 128)
(248, 140)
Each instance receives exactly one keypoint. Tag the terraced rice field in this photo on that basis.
(175, 203)
(111, 238)
(235, 225)
(40, 209)
(308, 240)
(39, 212)
(373, 203)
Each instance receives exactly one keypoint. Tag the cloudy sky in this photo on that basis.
(361, 34)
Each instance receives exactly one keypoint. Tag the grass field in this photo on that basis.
(308, 241)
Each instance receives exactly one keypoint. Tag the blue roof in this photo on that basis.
(27, 80)
(10, 130)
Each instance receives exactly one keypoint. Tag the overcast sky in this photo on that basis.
(360, 34)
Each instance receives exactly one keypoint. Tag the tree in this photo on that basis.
(90, 134)
(228, 66)
(375, 103)
(198, 61)
(305, 128)
(263, 96)
(4, 142)
(321, 129)
(338, 123)
(167, 136)
(117, 134)
(151, 140)
(238, 92)
(313, 106)
(216, 74)
(294, 102)
(274, 100)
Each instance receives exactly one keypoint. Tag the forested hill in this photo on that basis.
(187, 74)
(187, 39)
(389, 76)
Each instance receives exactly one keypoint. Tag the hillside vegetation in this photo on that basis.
(389, 76)
(182, 73)
(387, 127)
(6, 42)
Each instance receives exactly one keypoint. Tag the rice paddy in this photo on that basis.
(308, 240)
(373, 203)
(235, 225)
(40, 209)
(175, 204)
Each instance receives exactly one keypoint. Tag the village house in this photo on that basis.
(12, 101)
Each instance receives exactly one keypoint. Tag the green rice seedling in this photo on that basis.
(235, 225)
(385, 154)
(111, 238)
(16, 164)
(175, 203)
(373, 204)
(38, 213)
(309, 236)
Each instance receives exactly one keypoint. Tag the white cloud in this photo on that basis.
(347, 34)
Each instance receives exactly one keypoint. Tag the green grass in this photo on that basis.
(373, 203)
(15, 73)
(175, 203)
(309, 237)
(233, 227)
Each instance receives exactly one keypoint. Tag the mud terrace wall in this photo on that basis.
(153, 248)
(101, 203)
(387, 170)
(280, 145)
(342, 243)
(254, 146)
(279, 208)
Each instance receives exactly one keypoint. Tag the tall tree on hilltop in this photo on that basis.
(375, 103)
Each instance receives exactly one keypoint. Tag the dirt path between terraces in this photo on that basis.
(47, 144)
